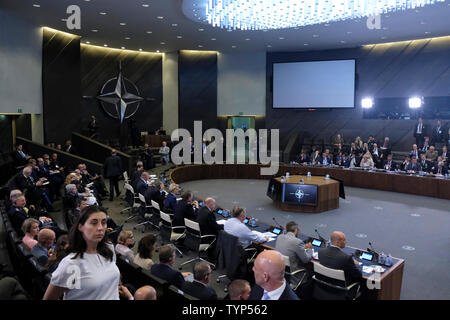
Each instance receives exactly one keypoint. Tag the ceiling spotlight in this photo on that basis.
(179, 37)
(201, 29)
(145, 5)
(367, 103)
(149, 32)
(415, 102)
(234, 47)
(140, 49)
(94, 30)
(174, 25)
(127, 38)
(269, 46)
(102, 13)
(315, 35)
(247, 39)
(160, 17)
(105, 45)
(88, 42)
(157, 51)
(306, 44)
(162, 43)
(123, 48)
(200, 46)
(36, 5)
(213, 39)
(281, 38)
(123, 24)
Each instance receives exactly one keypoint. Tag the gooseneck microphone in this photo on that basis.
(320, 237)
(278, 225)
(371, 250)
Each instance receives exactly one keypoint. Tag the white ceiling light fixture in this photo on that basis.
(281, 14)
(415, 102)
(367, 103)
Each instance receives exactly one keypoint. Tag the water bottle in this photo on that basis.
(382, 258)
(388, 260)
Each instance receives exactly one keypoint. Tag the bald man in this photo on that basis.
(46, 238)
(333, 257)
(207, 219)
(270, 283)
(145, 293)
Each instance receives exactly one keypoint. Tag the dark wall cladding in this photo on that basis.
(390, 73)
(197, 77)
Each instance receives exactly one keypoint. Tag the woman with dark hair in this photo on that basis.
(59, 252)
(89, 271)
(145, 252)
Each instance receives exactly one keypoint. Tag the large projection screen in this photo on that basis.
(314, 84)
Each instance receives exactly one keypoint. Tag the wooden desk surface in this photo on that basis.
(320, 181)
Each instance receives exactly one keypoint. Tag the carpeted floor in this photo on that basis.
(414, 228)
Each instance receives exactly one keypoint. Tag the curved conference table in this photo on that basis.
(387, 181)
(390, 281)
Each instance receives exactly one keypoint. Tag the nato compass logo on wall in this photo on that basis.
(119, 97)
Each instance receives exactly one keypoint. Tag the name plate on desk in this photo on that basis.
(300, 194)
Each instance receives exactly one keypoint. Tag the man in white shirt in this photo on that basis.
(236, 227)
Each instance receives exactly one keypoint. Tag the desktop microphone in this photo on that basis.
(320, 237)
(371, 250)
(278, 225)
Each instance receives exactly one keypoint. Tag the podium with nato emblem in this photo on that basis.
(300, 193)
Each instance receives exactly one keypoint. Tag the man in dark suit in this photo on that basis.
(207, 219)
(164, 269)
(444, 154)
(199, 287)
(325, 161)
(302, 158)
(333, 257)
(270, 283)
(315, 157)
(20, 157)
(424, 163)
(142, 183)
(426, 145)
(413, 166)
(156, 193)
(440, 169)
(92, 126)
(69, 148)
(419, 132)
(112, 171)
(389, 164)
(437, 137)
(185, 208)
(147, 157)
(415, 151)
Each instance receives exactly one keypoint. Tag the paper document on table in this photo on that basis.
(221, 221)
(264, 234)
(367, 269)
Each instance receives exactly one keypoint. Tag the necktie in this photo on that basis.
(266, 296)
(22, 154)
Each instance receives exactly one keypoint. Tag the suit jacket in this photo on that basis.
(304, 160)
(392, 167)
(199, 290)
(22, 183)
(447, 155)
(168, 274)
(141, 186)
(154, 194)
(444, 170)
(112, 167)
(315, 158)
(71, 150)
(183, 210)
(289, 245)
(438, 134)
(207, 221)
(19, 160)
(423, 129)
(414, 167)
(258, 292)
(17, 216)
(415, 154)
(426, 165)
(170, 202)
(335, 258)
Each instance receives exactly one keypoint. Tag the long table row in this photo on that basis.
(387, 181)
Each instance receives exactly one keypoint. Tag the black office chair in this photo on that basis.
(172, 293)
(233, 257)
(330, 284)
(195, 241)
(39, 281)
(294, 278)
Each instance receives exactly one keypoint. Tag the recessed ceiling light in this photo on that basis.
(179, 37)
(233, 47)
(269, 46)
(157, 51)
(162, 43)
(201, 29)
(281, 38)
(427, 32)
(200, 46)
(247, 39)
(102, 13)
(122, 48)
(149, 32)
(140, 49)
(145, 5)
(123, 24)
(160, 17)
(174, 25)
(213, 39)
(342, 41)
(94, 30)
(306, 44)
(315, 35)
(423, 22)
(87, 0)
(105, 45)
(127, 38)
(349, 32)
(88, 42)
(36, 5)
